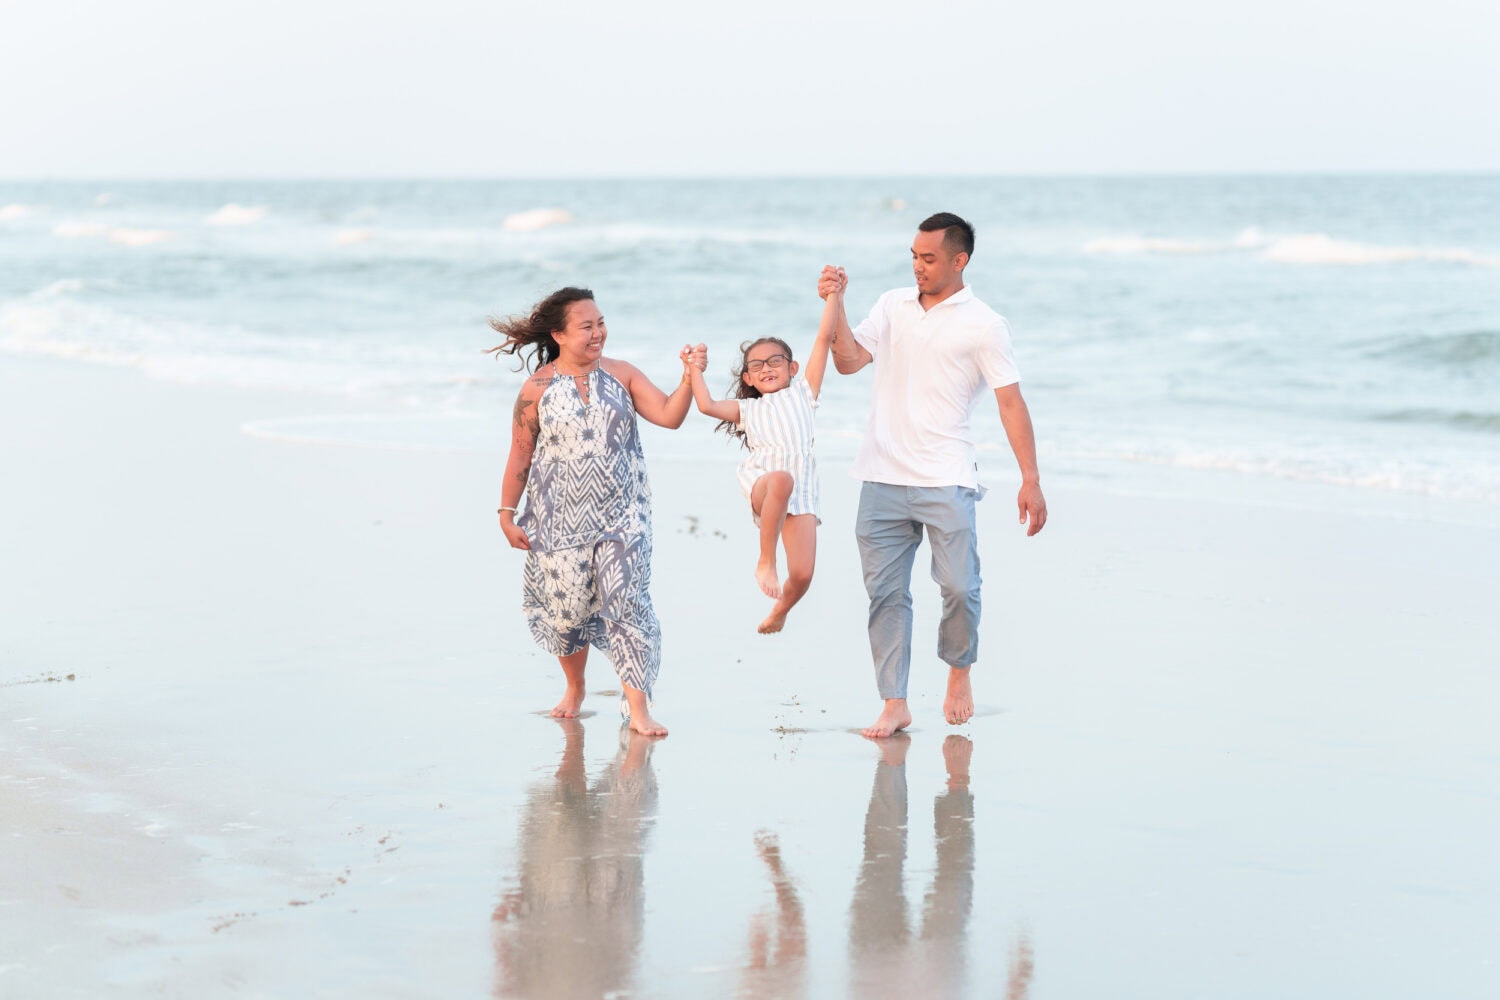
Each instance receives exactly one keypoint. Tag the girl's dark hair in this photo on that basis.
(531, 336)
(742, 390)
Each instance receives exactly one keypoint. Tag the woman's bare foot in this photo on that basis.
(641, 722)
(775, 621)
(765, 575)
(640, 714)
(572, 701)
(573, 665)
(893, 718)
(958, 706)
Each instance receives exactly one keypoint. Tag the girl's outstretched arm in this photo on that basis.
(719, 409)
(817, 358)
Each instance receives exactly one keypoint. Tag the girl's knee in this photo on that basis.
(779, 482)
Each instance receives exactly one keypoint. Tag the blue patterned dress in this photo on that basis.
(588, 517)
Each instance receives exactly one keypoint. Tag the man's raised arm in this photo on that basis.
(849, 356)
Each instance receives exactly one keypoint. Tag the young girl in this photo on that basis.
(772, 414)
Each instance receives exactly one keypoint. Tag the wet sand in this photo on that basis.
(1225, 748)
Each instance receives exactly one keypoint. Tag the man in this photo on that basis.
(936, 348)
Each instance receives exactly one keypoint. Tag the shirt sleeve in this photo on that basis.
(873, 328)
(996, 362)
(746, 406)
(807, 392)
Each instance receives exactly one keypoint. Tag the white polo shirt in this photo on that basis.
(930, 367)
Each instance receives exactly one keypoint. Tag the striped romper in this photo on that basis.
(779, 433)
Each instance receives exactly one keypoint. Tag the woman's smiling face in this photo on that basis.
(581, 341)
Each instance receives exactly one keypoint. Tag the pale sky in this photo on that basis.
(580, 88)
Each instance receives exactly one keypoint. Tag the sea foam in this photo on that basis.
(1126, 245)
(1319, 248)
(237, 215)
(80, 230)
(13, 211)
(536, 218)
(1299, 248)
(139, 237)
(122, 235)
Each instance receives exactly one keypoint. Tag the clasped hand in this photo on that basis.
(693, 357)
(833, 281)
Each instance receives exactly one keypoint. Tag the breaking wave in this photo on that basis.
(536, 218)
(1299, 248)
(237, 215)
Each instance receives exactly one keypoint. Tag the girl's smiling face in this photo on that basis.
(768, 367)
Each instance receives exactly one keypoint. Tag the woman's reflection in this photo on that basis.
(886, 959)
(572, 925)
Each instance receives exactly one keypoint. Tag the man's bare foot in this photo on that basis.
(774, 622)
(894, 717)
(958, 707)
(765, 575)
(572, 701)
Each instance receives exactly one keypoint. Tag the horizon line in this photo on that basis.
(534, 179)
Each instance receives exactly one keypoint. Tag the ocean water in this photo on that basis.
(1342, 331)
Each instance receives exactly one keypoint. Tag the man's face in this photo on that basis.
(936, 270)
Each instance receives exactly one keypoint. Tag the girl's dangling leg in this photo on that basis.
(768, 499)
(799, 537)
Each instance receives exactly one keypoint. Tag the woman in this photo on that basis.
(576, 453)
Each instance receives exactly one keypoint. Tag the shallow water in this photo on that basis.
(1340, 330)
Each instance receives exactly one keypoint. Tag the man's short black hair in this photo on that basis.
(958, 235)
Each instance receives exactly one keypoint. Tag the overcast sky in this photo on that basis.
(337, 88)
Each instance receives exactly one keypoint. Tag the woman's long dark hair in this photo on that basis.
(531, 335)
(741, 389)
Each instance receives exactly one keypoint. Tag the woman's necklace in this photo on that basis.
(557, 366)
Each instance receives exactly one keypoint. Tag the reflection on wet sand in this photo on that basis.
(572, 926)
(776, 964)
(886, 960)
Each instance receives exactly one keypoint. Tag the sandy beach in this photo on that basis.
(271, 725)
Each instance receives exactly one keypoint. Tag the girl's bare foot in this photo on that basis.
(774, 622)
(894, 717)
(572, 701)
(765, 575)
(958, 706)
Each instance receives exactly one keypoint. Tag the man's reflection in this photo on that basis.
(886, 959)
(572, 926)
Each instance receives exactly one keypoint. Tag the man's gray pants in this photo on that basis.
(889, 529)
